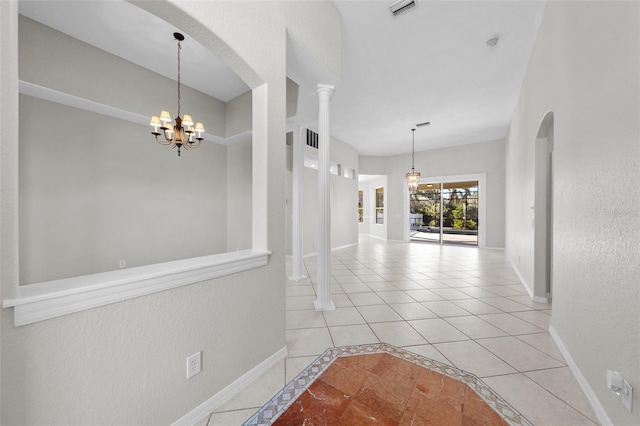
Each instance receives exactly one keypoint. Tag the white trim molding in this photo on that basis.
(204, 409)
(42, 301)
(582, 381)
(537, 299)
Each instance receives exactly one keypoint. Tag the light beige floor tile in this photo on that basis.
(397, 334)
(345, 335)
(341, 300)
(505, 304)
(232, 418)
(474, 327)
(471, 357)
(294, 366)
(431, 284)
(341, 273)
(511, 324)
(562, 383)
(534, 402)
(362, 299)
(258, 392)
(383, 286)
(378, 313)
(450, 294)
(437, 330)
(347, 279)
(537, 318)
(308, 341)
(544, 343)
(430, 352)
(423, 295)
(518, 354)
(406, 285)
(395, 296)
(476, 307)
(343, 316)
(299, 302)
(412, 311)
(502, 290)
(304, 319)
(445, 309)
(350, 288)
(300, 290)
(477, 292)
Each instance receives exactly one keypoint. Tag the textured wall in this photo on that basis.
(584, 67)
(96, 196)
(239, 194)
(124, 363)
(344, 201)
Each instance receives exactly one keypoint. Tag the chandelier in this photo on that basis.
(180, 134)
(413, 177)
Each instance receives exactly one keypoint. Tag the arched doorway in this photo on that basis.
(543, 210)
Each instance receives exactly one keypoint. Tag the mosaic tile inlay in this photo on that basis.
(284, 399)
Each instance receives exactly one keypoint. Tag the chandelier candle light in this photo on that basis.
(180, 134)
(413, 177)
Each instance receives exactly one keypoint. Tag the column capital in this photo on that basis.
(326, 88)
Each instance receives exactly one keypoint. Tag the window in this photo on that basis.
(360, 211)
(380, 205)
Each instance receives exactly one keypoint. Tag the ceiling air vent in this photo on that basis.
(402, 6)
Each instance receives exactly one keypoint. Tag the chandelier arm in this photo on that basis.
(164, 142)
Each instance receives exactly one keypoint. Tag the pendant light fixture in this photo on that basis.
(181, 134)
(413, 177)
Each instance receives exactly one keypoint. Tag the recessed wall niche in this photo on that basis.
(97, 193)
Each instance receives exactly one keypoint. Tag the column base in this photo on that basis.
(319, 306)
(297, 278)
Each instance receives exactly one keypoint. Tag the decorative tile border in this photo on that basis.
(269, 412)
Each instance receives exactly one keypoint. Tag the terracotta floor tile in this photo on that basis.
(358, 414)
(321, 404)
(345, 379)
(476, 412)
(384, 397)
(366, 362)
(423, 410)
(393, 369)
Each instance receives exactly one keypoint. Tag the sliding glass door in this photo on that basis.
(445, 213)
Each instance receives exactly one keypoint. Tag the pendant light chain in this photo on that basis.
(179, 47)
(413, 144)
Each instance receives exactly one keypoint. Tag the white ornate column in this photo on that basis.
(323, 302)
(296, 219)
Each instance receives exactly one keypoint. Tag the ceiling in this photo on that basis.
(428, 64)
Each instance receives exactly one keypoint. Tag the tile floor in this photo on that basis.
(457, 305)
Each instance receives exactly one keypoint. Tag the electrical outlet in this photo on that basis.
(627, 396)
(194, 364)
(123, 264)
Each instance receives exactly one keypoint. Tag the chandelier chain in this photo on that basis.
(179, 47)
(413, 143)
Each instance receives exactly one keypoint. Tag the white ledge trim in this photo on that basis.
(41, 301)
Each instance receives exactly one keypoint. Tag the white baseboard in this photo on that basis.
(537, 299)
(582, 381)
(492, 248)
(203, 410)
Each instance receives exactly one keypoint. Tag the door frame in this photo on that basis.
(482, 202)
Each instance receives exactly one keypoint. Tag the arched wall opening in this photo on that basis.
(543, 210)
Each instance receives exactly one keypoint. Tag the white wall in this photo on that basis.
(344, 199)
(95, 197)
(239, 194)
(486, 157)
(124, 363)
(584, 68)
